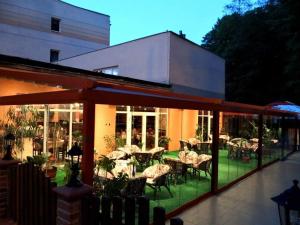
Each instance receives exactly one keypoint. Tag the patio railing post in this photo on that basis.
(176, 221)
(260, 141)
(295, 135)
(283, 136)
(69, 201)
(5, 179)
(215, 152)
(159, 216)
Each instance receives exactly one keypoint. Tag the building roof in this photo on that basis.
(47, 73)
(286, 106)
(142, 38)
(101, 88)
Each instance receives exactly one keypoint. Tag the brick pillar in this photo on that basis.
(69, 204)
(4, 184)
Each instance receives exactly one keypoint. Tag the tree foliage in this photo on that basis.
(262, 51)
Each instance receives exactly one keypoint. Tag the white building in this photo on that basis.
(48, 30)
(165, 58)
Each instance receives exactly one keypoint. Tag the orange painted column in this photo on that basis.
(88, 142)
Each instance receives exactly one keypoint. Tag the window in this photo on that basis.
(55, 24)
(54, 55)
(114, 70)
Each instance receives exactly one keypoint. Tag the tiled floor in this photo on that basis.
(6, 222)
(248, 202)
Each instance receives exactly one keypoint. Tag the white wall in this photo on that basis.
(144, 59)
(164, 58)
(195, 70)
(25, 27)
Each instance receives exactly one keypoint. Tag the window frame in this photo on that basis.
(53, 26)
(52, 51)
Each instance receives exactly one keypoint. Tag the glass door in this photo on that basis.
(136, 132)
(150, 132)
(143, 131)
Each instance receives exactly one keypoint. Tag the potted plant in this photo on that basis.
(38, 160)
(110, 142)
(45, 162)
(164, 142)
(109, 187)
(22, 123)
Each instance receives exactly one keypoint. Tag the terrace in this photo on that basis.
(212, 143)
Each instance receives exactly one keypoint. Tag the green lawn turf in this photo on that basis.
(229, 170)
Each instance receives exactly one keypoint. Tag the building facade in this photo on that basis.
(50, 30)
(165, 58)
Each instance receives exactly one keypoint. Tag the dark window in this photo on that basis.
(54, 54)
(55, 24)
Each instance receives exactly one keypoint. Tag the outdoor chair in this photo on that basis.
(183, 145)
(135, 187)
(62, 151)
(143, 158)
(37, 146)
(158, 182)
(116, 155)
(157, 154)
(157, 177)
(189, 146)
(177, 169)
(233, 150)
(203, 165)
(203, 148)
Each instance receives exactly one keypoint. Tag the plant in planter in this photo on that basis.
(109, 187)
(22, 123)
(45, 162)
(105, 164)
(38, 160)
(164, 142)
(110, 143)
(113, 187)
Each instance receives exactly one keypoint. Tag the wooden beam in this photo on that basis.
(52, 79)
(54, 97)
(88, 142)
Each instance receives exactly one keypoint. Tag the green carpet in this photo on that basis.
(229, 170)
(60, 177)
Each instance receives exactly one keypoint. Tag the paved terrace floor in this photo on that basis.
(248, 202)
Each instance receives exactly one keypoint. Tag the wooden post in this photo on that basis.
(117, 211)
(5, 182)
(260, 141)
(283, 136)
(129, 210)
(88, 142)
(143, 213)
(176, 221)
(295, 134)
(159, 216)
(106, 206)
(69, 202)
(215, 152)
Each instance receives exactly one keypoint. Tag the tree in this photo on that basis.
(261, 48)
(238, 6)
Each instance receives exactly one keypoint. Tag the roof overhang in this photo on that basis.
(104, 89)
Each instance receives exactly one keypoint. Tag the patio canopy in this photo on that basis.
(80, 85)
